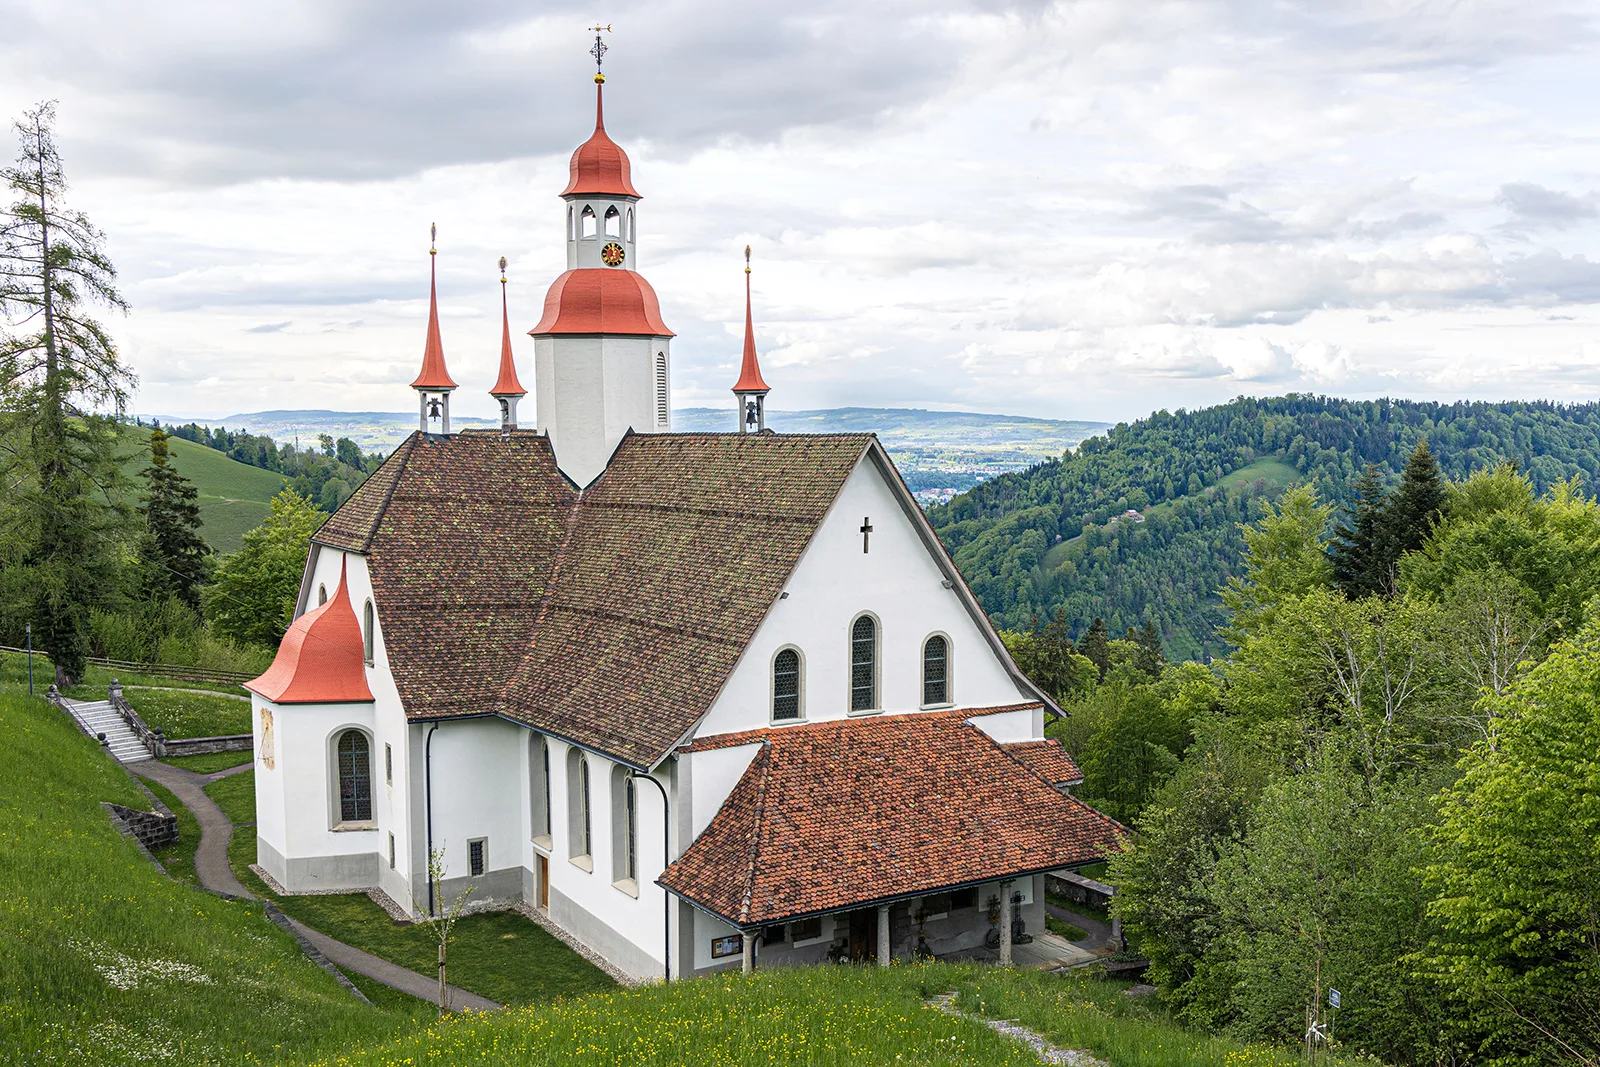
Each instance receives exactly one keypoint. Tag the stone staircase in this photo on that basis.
(100, 717)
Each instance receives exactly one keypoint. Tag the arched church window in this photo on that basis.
(936, 670)
(367, 637)
(579, 838)
(864, 664)
(663, 414)
(322, 595)
(786, 685)
(586, 223)
(624, 827)
(613, 222)
(631, 236)
(355, 777)
(539, 787)
(572, 232)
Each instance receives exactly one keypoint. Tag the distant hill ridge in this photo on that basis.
(939, 452)
(1042, 539)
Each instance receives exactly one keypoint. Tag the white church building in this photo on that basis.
(703, 700)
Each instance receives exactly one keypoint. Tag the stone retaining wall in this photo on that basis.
(201, 746)
(152, 829)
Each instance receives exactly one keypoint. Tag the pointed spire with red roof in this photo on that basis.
(434, 378)
(751, 388)
(507, 389)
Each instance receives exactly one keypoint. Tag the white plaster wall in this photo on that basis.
(307, 777)
(636, 919)
(479, 791)
(706, 930)
(270, 802)
(899, 582)
(1010, 726)
(589, 391)
(715, 773)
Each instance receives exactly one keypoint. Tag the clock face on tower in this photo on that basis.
(612, 254)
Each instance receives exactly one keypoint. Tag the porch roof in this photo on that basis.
(849, 813)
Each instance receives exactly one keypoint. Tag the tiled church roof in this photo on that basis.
(1047, 759)
(609, 618)
(854, 812)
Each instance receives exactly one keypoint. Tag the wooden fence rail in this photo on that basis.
(177, 671)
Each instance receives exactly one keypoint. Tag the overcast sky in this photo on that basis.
(1076, 210)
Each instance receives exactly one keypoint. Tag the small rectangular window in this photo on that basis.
(391, 852)
(475, 857)
(964, 898)
(774, 935)
(806, 930)
(388, 764)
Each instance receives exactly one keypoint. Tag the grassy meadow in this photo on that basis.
(829, 1016)
(104, 960)
(181, 714)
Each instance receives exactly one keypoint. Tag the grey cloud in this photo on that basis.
(269, 327)
(367, 90)
(1535, 205)
(1551, 278)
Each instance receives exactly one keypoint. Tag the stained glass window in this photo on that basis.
(936, 671)
(355, 777)
(786, 685)
(864, 664)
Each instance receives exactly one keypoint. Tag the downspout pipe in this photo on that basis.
(666, 858)
(427, 777)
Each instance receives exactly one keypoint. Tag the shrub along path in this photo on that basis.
(211, 866)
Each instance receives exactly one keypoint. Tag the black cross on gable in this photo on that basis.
(866, 532)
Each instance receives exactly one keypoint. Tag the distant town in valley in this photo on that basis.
(940, 453)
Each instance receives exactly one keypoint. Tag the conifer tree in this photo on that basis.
(174, 557)
(60, 528)
(1095, 646)
(1360, 552)
(1150, 657)
(1416, 505)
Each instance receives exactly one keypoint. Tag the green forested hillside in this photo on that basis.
(233, 495)
(1047, 538)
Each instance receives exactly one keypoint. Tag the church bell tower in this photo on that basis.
(601, 354)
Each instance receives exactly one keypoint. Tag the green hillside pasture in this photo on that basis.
(827, 1016)
(104, 960)
(191, 714)
(233, 495)
(1277, 475)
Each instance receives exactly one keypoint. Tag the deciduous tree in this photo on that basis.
(253, 597)
(1516, 899)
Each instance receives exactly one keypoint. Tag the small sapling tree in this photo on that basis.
(443, 919)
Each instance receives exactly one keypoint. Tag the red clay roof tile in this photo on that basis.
(848, 813)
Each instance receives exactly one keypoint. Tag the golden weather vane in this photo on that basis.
(502, 270)
(433, 238)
